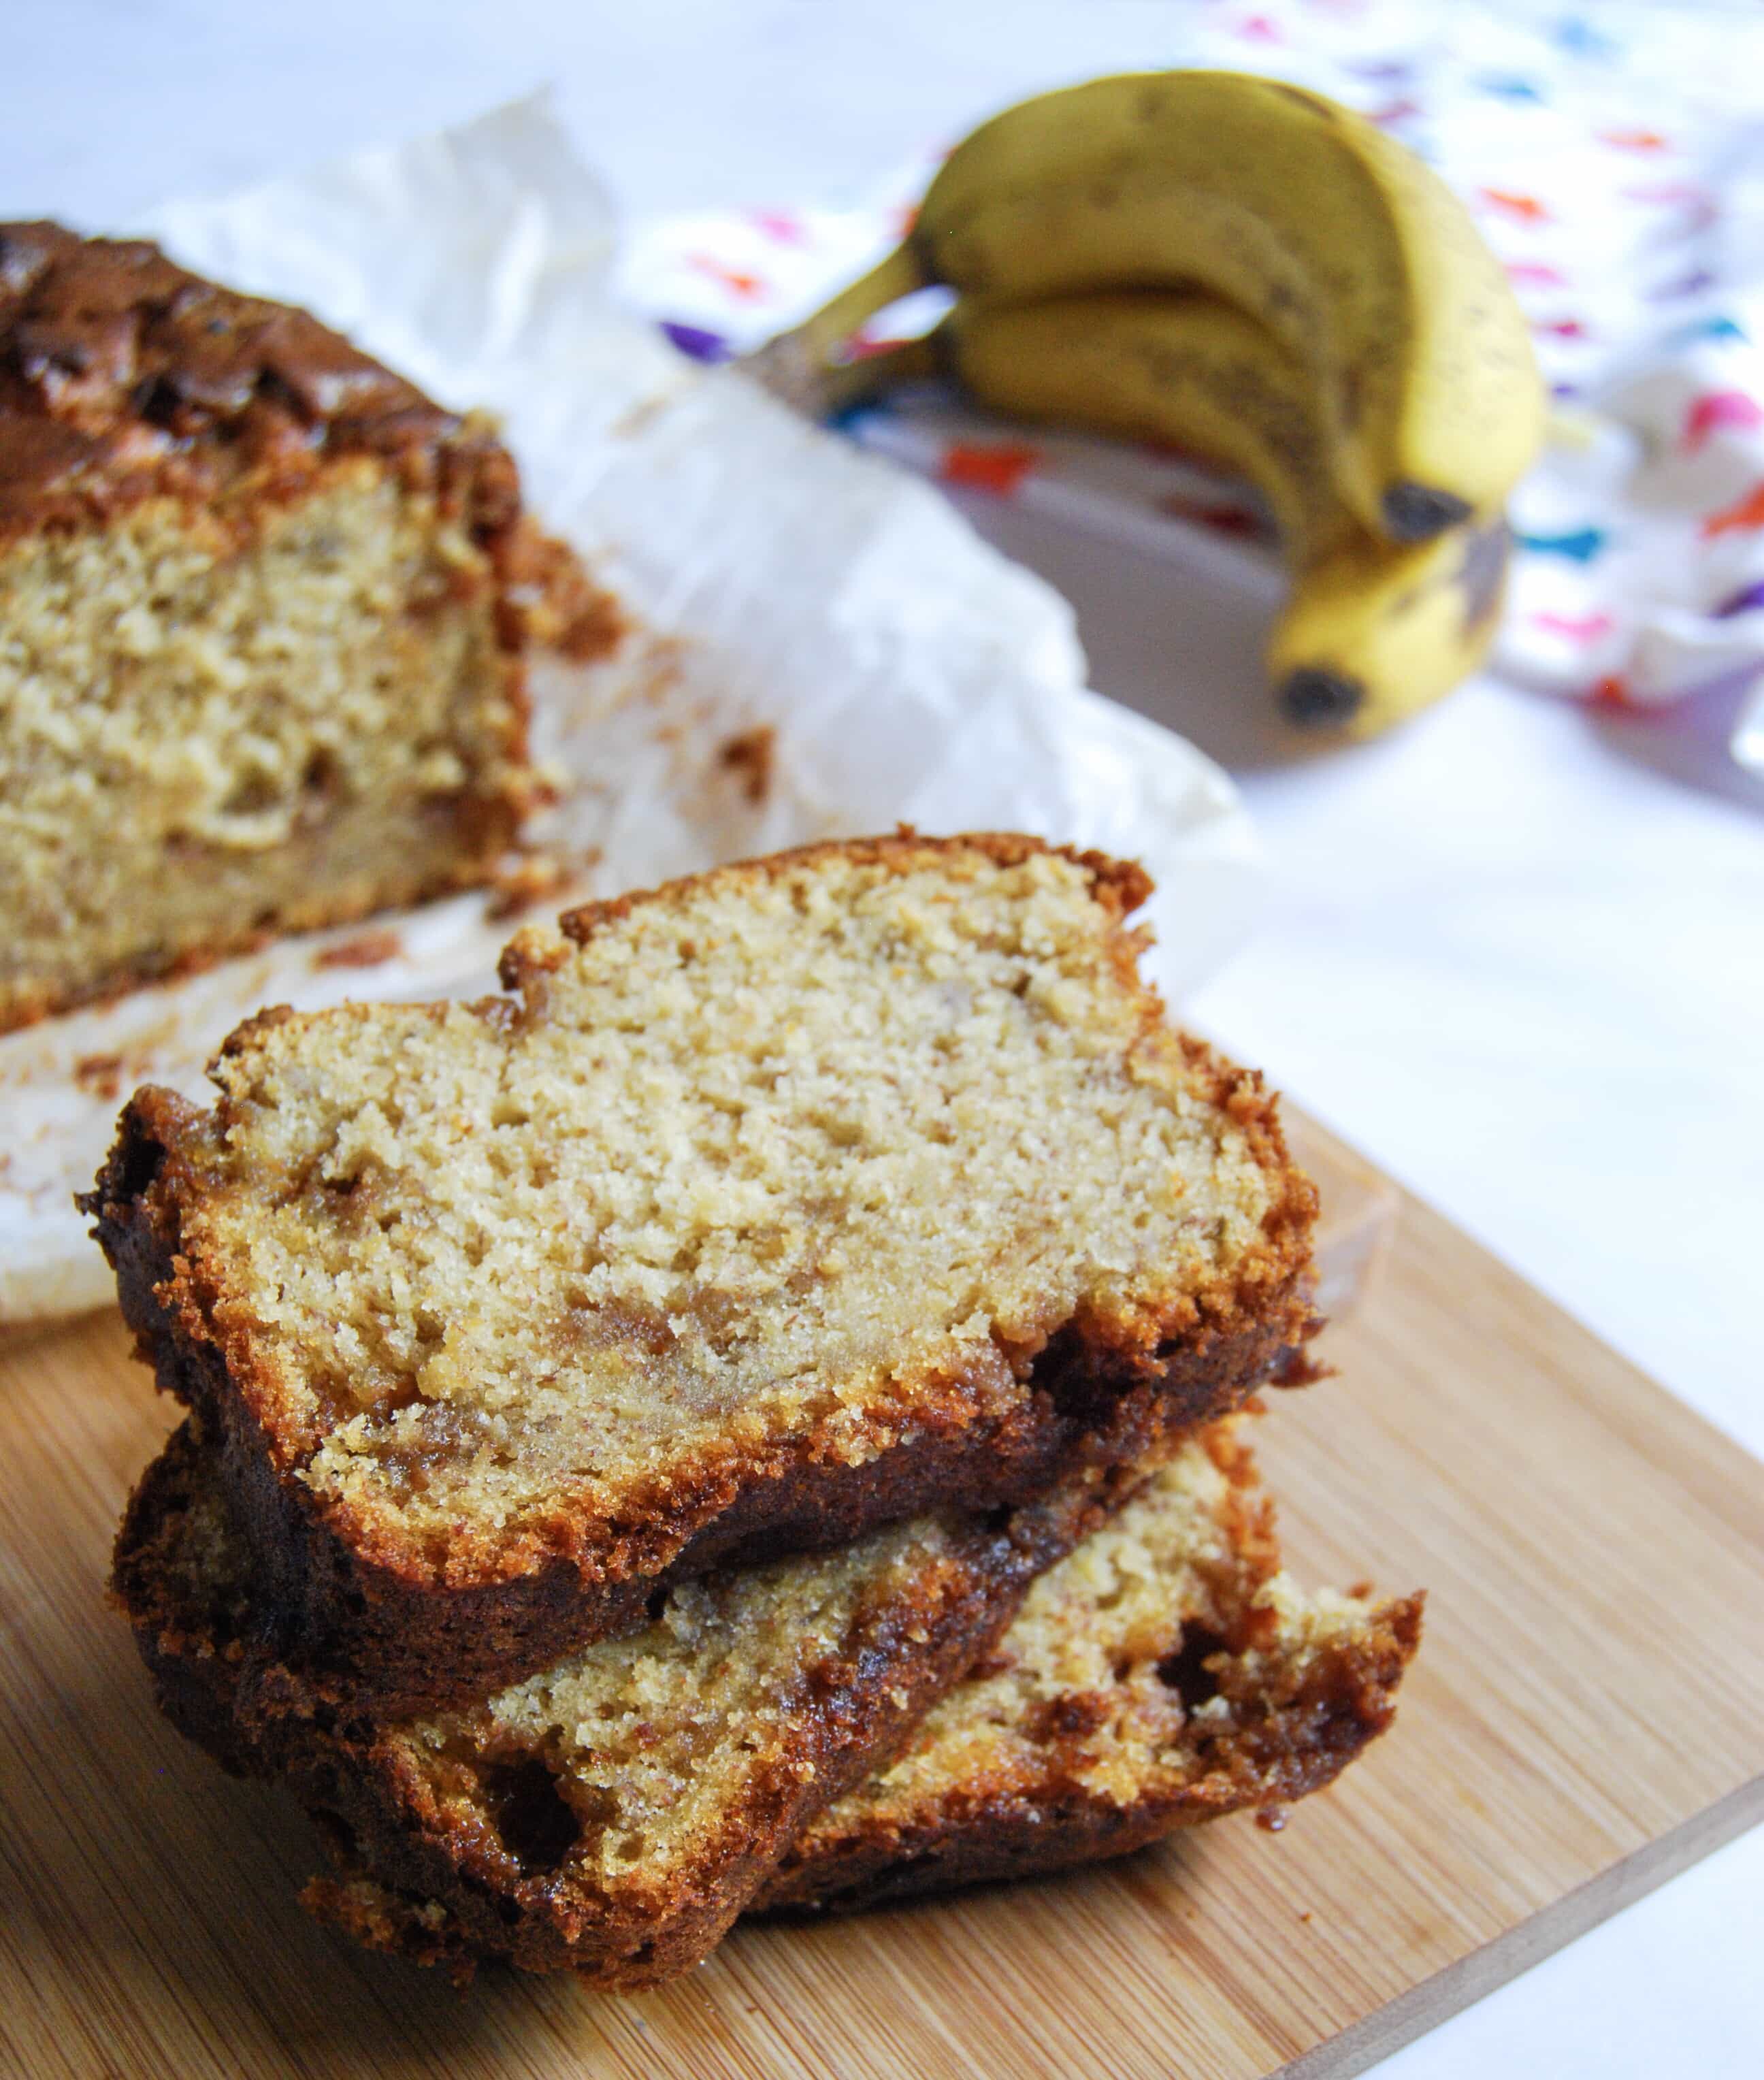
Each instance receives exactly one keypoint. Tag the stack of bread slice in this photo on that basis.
(744, 1419)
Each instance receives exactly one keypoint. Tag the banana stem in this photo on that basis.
(814, 340)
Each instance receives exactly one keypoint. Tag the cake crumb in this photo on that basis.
(751, 756)
(533, 879)
(100, 1075)
(365, 950)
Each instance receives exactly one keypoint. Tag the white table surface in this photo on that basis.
(1517, 957)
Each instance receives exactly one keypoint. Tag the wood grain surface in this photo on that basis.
(1586, 1716)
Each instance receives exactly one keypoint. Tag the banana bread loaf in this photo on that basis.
(805, 1194)
(262, 610)
(610, 1815)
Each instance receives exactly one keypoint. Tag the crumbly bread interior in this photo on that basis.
(1169, 1663)
(811, 1148)
(264, 714)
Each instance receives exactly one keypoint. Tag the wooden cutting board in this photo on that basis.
(1586, 1718)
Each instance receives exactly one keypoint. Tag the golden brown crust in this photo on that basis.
(499, 1895)
(1297, 1690)
(1298, 1705)
(1122, 886)
(986, 1834)
(555, 605)
(421, 1931)
(124, 377)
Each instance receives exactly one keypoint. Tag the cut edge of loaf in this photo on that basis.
(377, 1621)
(463, 1810)
(352, 861)
(370, 823)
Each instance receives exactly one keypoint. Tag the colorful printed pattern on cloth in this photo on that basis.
(1612, 159)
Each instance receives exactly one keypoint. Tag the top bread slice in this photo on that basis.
(807, 1193)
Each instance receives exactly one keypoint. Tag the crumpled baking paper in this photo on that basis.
(820, 645)
(1613, 157)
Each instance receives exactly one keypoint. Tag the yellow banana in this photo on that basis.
(1372, 631)
(1354, 255)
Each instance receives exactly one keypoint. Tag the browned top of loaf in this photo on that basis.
(782, 1166)
(124, 376)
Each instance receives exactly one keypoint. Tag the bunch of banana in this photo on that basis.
(1256, 273)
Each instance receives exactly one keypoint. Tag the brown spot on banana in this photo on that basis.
(1373, 633)
(1417, 512)
(1313, 698)
(1350, 396)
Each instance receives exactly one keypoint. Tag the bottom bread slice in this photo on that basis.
(613, 1814)
(1168, 1672)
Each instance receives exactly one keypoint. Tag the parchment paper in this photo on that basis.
(819, 645)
